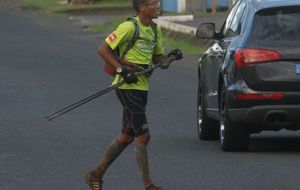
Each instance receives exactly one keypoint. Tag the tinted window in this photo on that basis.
(277, 24)
(236, 25)
(233, 22)
(230, 18)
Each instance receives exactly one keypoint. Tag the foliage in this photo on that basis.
(187, 43)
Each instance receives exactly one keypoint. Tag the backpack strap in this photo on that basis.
(154, 28)
(134, 37)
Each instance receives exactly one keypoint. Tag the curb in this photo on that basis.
(168, 22)
(178, 18)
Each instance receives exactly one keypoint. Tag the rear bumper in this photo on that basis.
(270, 117)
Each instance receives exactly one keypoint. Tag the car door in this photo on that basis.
(217, 53)
(231, 36)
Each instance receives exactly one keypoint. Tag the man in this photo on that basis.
(133, 94)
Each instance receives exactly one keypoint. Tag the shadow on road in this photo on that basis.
(275, 144)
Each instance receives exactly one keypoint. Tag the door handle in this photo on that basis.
(219, 53)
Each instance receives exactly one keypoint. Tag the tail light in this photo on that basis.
(245, 57)
(259, 96)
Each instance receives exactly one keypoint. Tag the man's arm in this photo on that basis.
(106, 53)
(165, 60)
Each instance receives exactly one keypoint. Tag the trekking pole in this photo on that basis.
(101, 92)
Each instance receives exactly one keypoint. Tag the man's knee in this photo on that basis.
(143, 139)
(125, 139)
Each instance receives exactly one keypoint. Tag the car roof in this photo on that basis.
(262, 4)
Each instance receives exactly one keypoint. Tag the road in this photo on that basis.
(46, 64)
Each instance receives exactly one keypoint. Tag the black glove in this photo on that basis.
(164, 63)
(176, 53)
(128, 76)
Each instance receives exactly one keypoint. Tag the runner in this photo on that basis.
(133, 95)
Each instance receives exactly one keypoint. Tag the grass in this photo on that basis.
(39, 5)
(54, 7)
(188, 44)
(185, 43)
(109, 26)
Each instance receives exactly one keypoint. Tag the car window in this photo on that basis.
(230, 18)
(277, 24)
(236, 24)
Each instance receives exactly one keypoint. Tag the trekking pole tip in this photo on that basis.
(48, 118)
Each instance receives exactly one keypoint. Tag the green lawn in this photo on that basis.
(109, 26)
(185, 45)
(40, 5)
(55, 7)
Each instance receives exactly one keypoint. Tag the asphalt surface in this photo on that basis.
(46, 64)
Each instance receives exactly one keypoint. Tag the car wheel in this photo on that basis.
(207, 128)
(232, 136)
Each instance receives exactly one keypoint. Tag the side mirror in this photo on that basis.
(206, 31)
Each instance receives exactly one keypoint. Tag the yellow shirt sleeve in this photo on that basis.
(122, 34)
(159, 45)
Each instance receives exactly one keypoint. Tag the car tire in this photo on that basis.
(232, 136)
(207, 128)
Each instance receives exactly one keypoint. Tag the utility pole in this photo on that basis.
(213, 6)
(203, 6)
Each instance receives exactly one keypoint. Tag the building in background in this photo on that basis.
(174, 5)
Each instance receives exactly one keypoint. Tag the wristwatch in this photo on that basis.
(119, 70)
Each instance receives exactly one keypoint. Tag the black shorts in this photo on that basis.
(134, 111)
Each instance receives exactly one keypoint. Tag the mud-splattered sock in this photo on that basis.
(113, 150)
(142, 162)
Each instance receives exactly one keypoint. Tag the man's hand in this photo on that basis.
(176, 53)
(128, 74)
(130, 66)
(164, 63)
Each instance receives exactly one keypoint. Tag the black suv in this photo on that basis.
(249, 79)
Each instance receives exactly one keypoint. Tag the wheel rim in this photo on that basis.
(199, 111)
(222, 118)
(199, 115)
